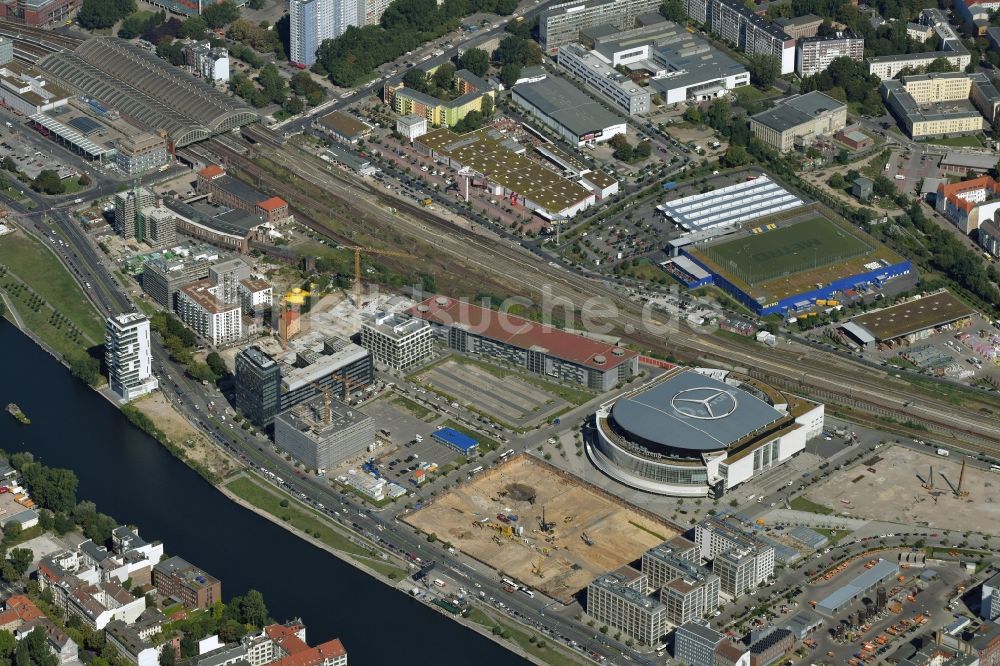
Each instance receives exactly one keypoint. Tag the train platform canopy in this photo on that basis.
(74, 137)
(731, 205)
(456, 440)
(148, 89)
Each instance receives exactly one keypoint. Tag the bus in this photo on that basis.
(506, 454)
(476, 471)
(995, 468)
(509, 583)
(528, 592)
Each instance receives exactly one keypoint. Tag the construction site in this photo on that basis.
(541, 526)
(901, 485)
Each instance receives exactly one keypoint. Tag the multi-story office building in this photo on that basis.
(139, 152)
(128, 205)
(299, 376)
(561, 24)
(128, 357)
(163, 278)
(816, 53)
(611, 601)
(691, 596)
(598, 73)
(736, 570)
(669, 560)
(159, 225)
(322, 432)
(179, 579)
(695, 643)
(396, 341)
(258, 385)
(799, 121)
(312, 21)
(940, 104)
(733, 22)
(716, 536)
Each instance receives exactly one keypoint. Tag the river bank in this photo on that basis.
(141, 482)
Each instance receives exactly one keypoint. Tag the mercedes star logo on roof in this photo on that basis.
(704, 402)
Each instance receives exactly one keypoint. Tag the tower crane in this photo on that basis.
(358, 249)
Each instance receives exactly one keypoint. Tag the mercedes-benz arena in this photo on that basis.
(698, 432)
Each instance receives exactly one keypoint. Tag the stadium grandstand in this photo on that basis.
(152, 91)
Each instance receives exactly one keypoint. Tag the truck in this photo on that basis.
(943, 452)
(439, 582)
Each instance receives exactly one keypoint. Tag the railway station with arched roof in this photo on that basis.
(152, 91)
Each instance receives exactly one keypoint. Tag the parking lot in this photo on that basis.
(28, 158)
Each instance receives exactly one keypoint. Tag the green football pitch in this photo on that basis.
(786, 250)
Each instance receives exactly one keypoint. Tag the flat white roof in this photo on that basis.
(730, 205)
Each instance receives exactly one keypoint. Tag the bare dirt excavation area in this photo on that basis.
(898, 491)
(590, 531)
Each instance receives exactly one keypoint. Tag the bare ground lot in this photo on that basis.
(195, 445)
(895, 492)
(620, 532)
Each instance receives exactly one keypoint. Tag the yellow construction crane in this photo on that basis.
(357, 249)
(536, 568)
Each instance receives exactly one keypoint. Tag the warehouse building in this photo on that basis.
(538, 348)
(571, 113)
(915, 319)
(967, 164)
(799, 121)
(561, 24)
(693, 435)
(883, 572)
(343, 127)
(453, 439)
(729, 206)
(501, 163)
(147, 89)
(816, 53)
(322, 433)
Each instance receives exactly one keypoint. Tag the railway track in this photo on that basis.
(53, 41)
(819, 374)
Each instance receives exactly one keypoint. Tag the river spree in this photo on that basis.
(131, 477)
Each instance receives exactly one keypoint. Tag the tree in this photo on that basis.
(7, 645)
(253, 610)
(96, 14)
(293, 105)
(487, 107)
(220, 14)
(193, 27)
(20, 560)
(623, 152)
(217, 365)
(736, 155)
(693, 115)
(84, 367)
(764, 69)
(9, 164)
(505, 7)
(51, 487)
(272, 85)
(837, 182)
(444, 75)
(476, 61)
(49, 182)
(941, 65)
(642, 151)
(416, 79)
(167, 658)
(673, 10)
(509, 74)
(200, 372)
(83, 180)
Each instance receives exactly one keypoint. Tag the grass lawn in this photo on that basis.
(414, 408)
(966, 141)
(35, 264)
(294, 514)
(389, 571)
(944, 550)
(833, 535)
(802, 504)
(747, 94)
(550, 654)
(643, 270)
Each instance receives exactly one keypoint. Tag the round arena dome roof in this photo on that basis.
(690, 413)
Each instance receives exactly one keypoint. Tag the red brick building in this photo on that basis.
(179, 579)
(228, 191)
(35, 12)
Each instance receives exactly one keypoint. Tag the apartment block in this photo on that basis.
(128, 204)
(889, 67)
(816, 53)
(128, 356)
(734, 23)
(217, 321)
(561, 24)
(179, 579)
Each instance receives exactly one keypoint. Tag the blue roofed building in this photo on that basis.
(456, 440)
